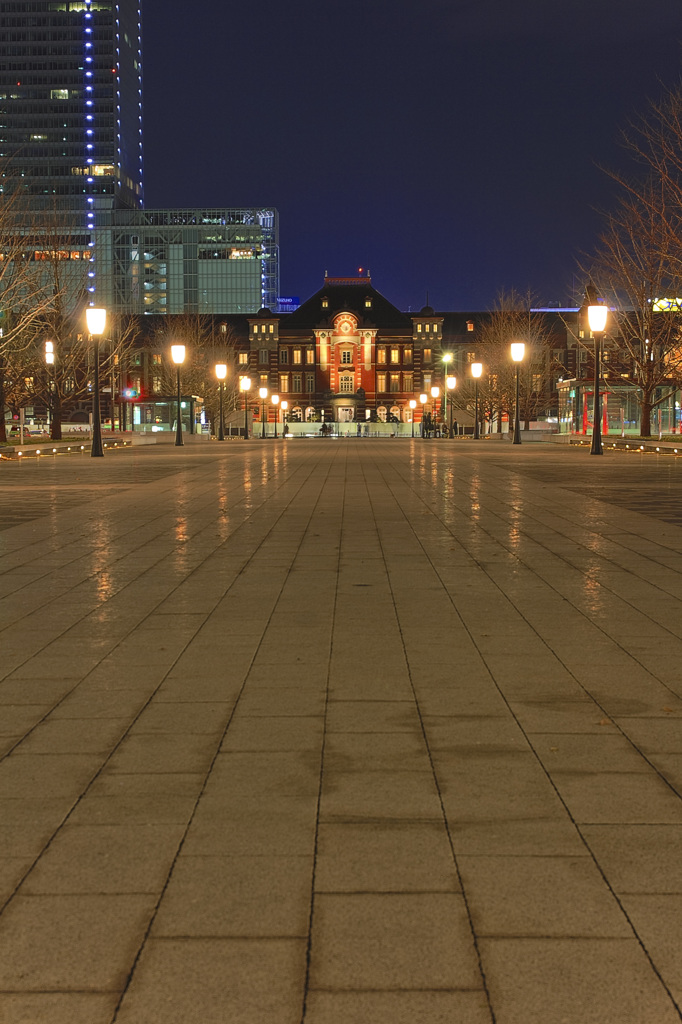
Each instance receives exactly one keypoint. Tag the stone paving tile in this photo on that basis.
(410, 856)
(402, 1007)
(392, 941)
(57, 1008)
(540, 896)
(240, 981)
(593, 981)
(237, 897)
(69, 943)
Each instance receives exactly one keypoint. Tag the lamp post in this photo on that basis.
(413, 406)
(244, 386)
(518, 351)
(49, 361)
(435, 395)
(263, 392)
(284, 405)
(275, 401)
(96, 320)
(221, 374)
(178, 357)
(450, 385)
(596, 317)
(423, 398)
(476, 371)
(447, 359)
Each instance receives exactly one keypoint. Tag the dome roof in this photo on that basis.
(427, 311)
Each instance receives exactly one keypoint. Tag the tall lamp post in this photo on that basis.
(447, 359)
(596, 317)
(435, 395)
(284, 405)
(244, 386)
(413, 406)
(476, 371)
(518, 351)
(450, 385)
(263, 392)
(178, 357)
(423, 398)
(49, 361)
(221, 374)
(96, 320)
(275, 401)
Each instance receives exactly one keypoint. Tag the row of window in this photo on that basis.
(391, 382)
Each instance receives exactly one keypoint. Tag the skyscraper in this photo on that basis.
(71, 142)
(71, 102)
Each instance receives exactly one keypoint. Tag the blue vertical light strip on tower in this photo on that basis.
(89, 136)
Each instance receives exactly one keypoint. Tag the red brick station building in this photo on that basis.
(345, 355)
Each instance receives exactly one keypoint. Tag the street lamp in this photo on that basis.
(596, 317)
(446, 359)
(263, 392)
(423, 398)
(518, 351)
(49, 361)
(413, 406)
(284, 405)
(221, 374)
(476, 371)
(244, 386)
(275, 402)
(96, 320)
(450, 385)
(178, 357)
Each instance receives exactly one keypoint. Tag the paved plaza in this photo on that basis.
(341, 732)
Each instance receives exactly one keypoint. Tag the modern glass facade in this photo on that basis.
(71, 102)
(188, 261)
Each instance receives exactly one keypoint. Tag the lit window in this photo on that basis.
(243, 358)
(427, 355)
(427, 328)
(264, 380)
(395, 382)
(419, 328)
(223, 328)
(426, 379)
(325, 302)
(368, 303)
(272, 328)
(381, 354)
(59, 94)
(408, 382)
(395, 355)
(346, 356)
(310, 355)
(156, 359)
(407, 355)
(346, 384)
(284, 383)
(297, 355)
(470, 325)
(381, 382)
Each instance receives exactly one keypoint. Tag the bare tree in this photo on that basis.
(205, 347)
(512, 319)
(637, 266)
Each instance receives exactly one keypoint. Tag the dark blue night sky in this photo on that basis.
(451, 146)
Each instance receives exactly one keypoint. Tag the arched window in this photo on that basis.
(381, 413)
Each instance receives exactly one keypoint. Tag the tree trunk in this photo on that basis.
(56, 425)
(645, 417)
(3, 429)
